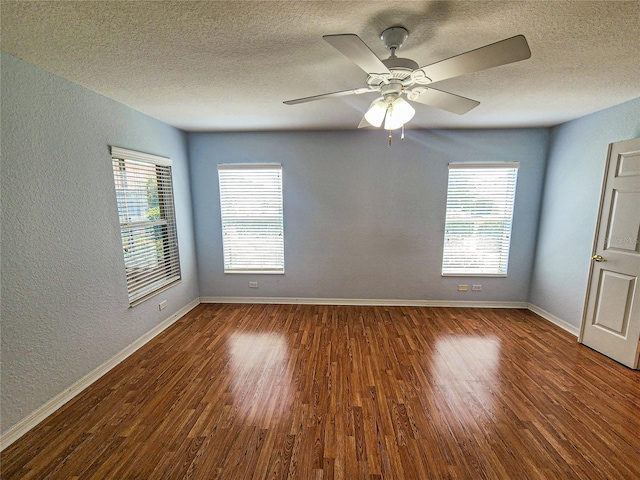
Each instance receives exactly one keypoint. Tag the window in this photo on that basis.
(477, 232)
(251, 211)
(144, 193)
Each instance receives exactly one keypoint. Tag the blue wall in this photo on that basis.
(65, 308)
(575, 170)
(362, 220)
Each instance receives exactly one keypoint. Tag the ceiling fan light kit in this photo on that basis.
(376, 113)
(398, 113)
(394, 77)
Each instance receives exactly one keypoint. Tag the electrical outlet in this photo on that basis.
(463, 288)
(476, 288)
(162, 305)
(253, 284)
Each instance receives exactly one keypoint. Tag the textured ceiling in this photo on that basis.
(224, 66)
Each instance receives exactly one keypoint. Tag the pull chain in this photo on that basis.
(401, 135)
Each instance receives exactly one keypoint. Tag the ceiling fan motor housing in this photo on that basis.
(391, 90)
(396, 63)
(400, 68)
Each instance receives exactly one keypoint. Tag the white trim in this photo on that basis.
(34, 418)
(455, 165)
(255, 272)
(491, 275)
(124, 154)
(362, 301)
(242, 166)
(555, 320)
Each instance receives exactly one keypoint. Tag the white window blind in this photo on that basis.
(477, 235)
(144, 192)
(251, 211)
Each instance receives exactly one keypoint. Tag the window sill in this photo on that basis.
(496, 275)
(256, 272)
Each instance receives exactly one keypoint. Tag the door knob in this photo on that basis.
(598, 258)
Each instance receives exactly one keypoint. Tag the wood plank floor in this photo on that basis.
(343, 392)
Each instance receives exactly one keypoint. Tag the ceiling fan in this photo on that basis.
(395, 76)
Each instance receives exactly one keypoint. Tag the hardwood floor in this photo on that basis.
(335, 392)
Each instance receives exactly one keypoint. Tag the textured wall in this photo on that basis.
(64, 301)
(363, 220)
(577, 157)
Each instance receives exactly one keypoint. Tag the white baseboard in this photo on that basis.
(361, 301)
(555, 320)
(30, 421)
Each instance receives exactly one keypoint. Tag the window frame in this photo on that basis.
(507, 196)
(230, 267)
(146, 274)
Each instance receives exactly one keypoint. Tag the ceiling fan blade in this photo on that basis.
(351, 46)
(363, 123)
(355, 91)
(443, 100)
(503, 52)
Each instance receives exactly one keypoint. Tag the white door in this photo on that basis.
(611, 320)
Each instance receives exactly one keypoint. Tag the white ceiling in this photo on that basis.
(225, 66)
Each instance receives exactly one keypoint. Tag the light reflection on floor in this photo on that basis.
(466, 371)
(258, 365)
